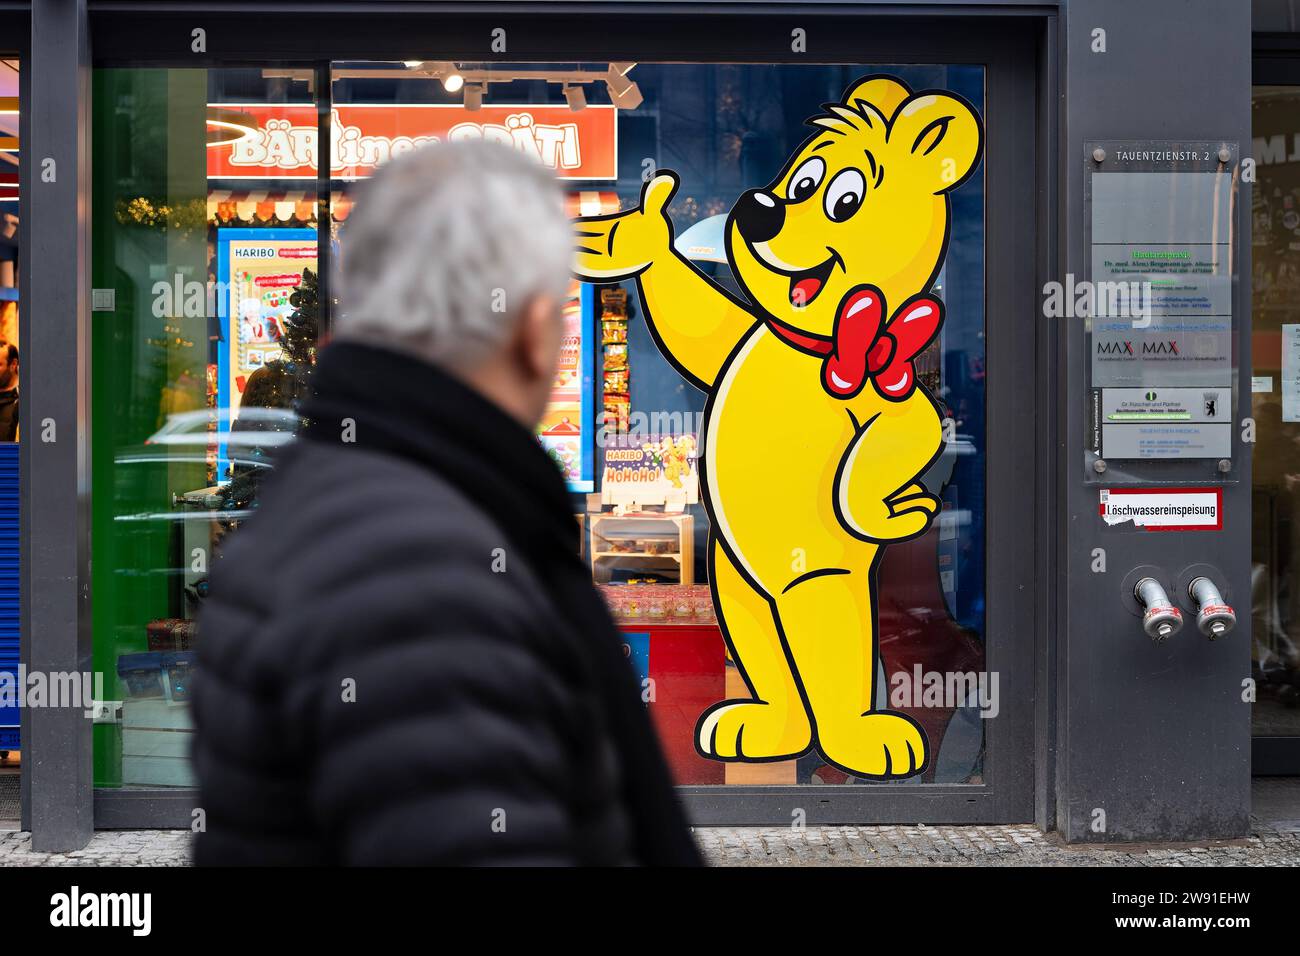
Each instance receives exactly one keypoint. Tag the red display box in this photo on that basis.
(687, 669)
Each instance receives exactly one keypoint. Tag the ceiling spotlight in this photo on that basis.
(412, 64)
(474, 96)
(575, 97)
(451, 77)
(624, 93)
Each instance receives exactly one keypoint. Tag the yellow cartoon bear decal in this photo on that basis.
(836, 258)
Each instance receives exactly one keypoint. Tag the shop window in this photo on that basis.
(628, 427)
(205, 228)
(1275, 404)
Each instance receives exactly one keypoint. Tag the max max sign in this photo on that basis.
(286, 144)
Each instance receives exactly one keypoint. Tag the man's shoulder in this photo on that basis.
(336, 519)
(369, 501)
(356, 545)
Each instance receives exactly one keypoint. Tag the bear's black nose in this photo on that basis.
(758, 216)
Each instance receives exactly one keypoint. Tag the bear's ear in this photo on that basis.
(880, 94)
(940, 137)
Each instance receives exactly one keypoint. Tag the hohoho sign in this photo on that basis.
(576, 145)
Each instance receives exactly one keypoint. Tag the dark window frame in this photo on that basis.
(1016, 47)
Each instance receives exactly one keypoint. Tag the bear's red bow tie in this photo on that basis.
(862, 347)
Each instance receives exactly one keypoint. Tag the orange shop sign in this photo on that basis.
(577, 145)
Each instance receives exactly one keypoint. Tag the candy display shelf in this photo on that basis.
(652, 541)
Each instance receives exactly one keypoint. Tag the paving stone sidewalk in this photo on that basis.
(974, 846)
(766, 846)
(1274, 841)
(106, 848)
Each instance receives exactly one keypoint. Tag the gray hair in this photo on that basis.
(446, 244)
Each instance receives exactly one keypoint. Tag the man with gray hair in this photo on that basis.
(403, 660)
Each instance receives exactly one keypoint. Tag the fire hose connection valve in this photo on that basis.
(1160, 618)
(1214, 616)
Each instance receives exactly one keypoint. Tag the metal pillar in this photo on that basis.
(57, 771)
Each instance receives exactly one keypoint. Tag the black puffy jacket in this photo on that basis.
(402, 660)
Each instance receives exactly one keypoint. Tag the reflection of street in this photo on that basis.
(1276, 656)
(1275, 592)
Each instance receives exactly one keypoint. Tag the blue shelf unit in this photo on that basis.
(9, 585)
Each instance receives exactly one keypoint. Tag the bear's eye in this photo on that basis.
(844, 194)
(806, 179)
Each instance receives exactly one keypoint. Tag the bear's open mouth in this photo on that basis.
(805, 285)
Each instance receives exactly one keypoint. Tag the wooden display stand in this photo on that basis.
(635, 534)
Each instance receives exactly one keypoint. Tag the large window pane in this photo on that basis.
(197, 362)
(629, 429)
